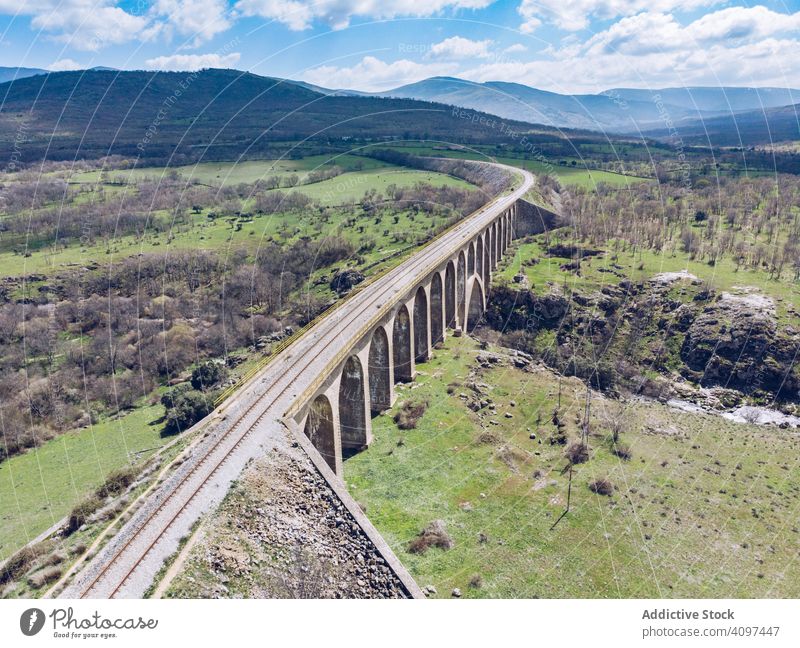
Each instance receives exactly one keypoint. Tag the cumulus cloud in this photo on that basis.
(298, 15)
(200, 20)
(93, 24)
(646, 33)
(86, 24)
(517, 48)
(372, 74)
(573, 15)
(65, 65)
(735, 46)
(191, 62)
(456, 48)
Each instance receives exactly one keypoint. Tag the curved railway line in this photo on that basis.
(127, 565)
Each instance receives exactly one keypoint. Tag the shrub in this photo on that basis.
(601, 487)
(476, 582)
(207, 375)
(185, 407)
(433, 535)
(118, 481)
(410, 414)
(578, 453)
(81, 512)
(45, 576)
(21, 561)
(622, 451)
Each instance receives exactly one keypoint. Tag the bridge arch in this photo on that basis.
(492, 246)
(479, 256)
(401, 343)
(320, 429)
(450, 295)
(421, 351)
(437, 312)
(379, 372)
(498, 253)
(470, 259)
(476, 306)
(352, 407)
(461, 287)
(487, 263)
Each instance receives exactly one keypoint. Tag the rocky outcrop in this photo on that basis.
(512, 309)
(735, 342)
(671, 324)
(345, 280)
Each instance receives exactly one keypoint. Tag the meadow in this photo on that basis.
(702, 508)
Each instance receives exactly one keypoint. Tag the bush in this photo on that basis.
(207, 375)
(118, 481)
(433, 535)
(622, 451)
(185, 407)
(601, 487)
(21, 561)
(577, 453)
(45, 576)
(81, 513)
(410, 414)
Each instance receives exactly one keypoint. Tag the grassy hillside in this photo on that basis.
(218, 114)
(702, 508)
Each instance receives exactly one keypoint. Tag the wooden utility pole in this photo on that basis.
(585, 427)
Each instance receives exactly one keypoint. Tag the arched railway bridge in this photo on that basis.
(326, 385)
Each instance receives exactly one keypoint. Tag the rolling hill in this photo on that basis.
(216, 113)
(12, 73)
(617, 110)
(741, 129)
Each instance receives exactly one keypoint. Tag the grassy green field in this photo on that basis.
(704, 508)
(577, 175)
(40, 487)
(231, 173)
(196, 231)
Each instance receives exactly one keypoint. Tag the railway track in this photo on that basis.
(128, 564)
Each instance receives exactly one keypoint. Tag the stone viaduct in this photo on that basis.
(335, 414)
(324, 389)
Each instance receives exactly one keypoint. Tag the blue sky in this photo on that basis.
(559, 45)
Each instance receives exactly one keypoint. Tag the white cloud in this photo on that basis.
(515, 49)
(733, 46)
(372, 74)
(199, 19)
(86, 24)
(93, 24)
(460, 48)
(572, 15)
(299, 15)
(65, 65)
(191, 62)
(646, 33)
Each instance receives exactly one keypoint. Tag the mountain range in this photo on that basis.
(618, 110)
(177, 116)
(218, 113)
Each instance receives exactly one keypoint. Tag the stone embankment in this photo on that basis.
(283, 533)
